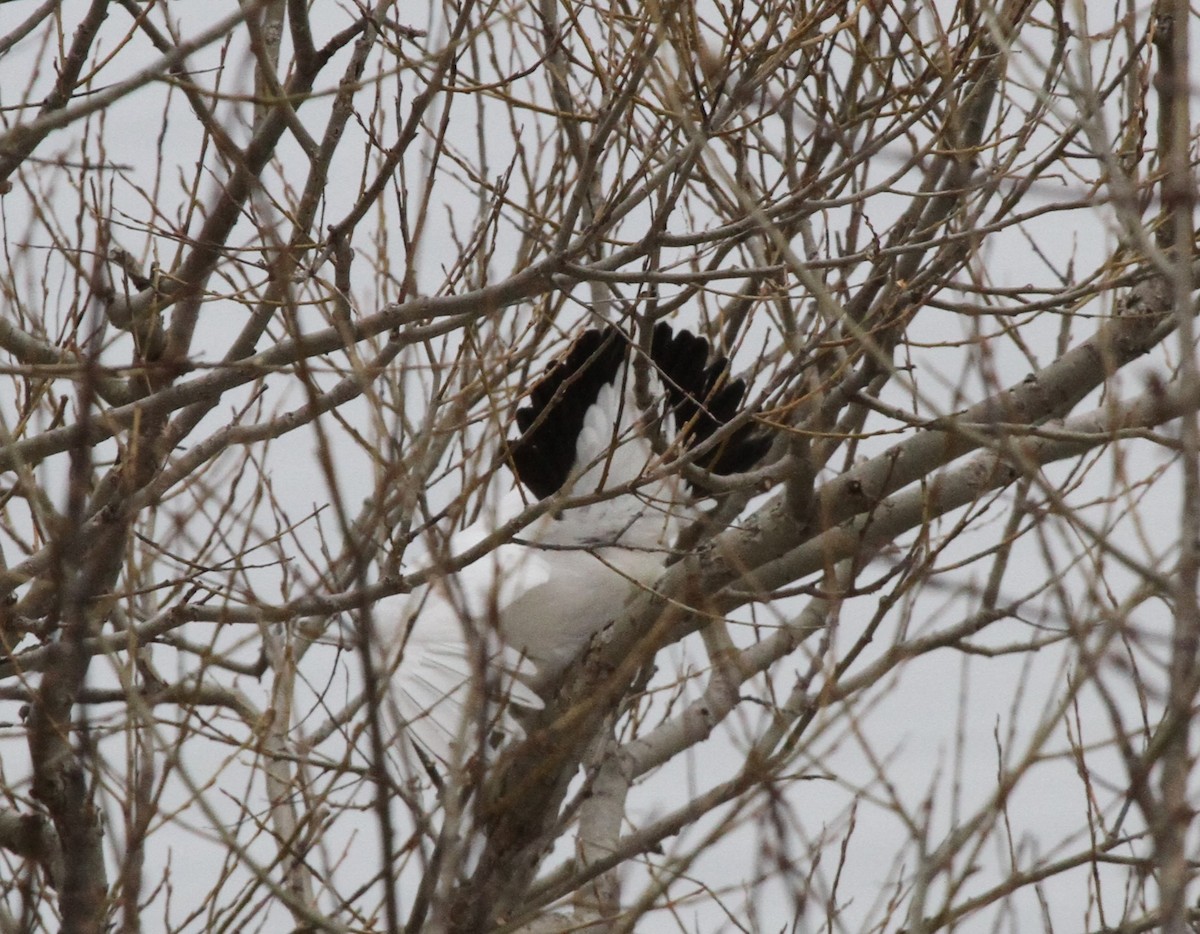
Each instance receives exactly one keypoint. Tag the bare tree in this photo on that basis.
(277, 275)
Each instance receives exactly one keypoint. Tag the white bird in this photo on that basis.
(462, 649)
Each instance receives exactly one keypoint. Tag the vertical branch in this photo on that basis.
(60, 782)
(590, 167)
(266, 81)
(1174, 818)
(139, 809)
(600, 819)
(281, 783)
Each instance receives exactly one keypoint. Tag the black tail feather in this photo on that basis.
(544, 454)
(700, 394)
(704, 399)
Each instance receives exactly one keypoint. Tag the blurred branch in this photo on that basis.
(19, 141)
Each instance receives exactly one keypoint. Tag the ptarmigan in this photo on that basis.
(460, 652)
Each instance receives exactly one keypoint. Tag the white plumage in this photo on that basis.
(465, 650)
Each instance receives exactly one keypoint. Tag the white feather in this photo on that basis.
(518, 616)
